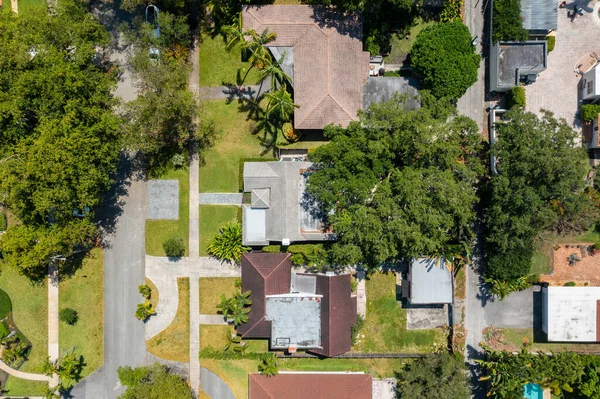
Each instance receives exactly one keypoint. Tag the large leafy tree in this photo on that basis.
(59, 136)
(445, 59)
(540, 187)
(442, 376)
(153, 382)
(398, 184)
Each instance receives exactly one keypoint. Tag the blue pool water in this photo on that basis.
(533, 391)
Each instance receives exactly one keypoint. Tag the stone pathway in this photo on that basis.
(221, 198)
(212, 319)
(195, 331)
(53, 348)
(361, 294)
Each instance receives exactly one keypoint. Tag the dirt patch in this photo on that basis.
(568, 269)
(495, 339)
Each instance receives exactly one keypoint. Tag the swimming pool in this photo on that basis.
(533, 391)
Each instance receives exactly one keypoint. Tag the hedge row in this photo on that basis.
(216, 354)
(589, 112)
(302, 254)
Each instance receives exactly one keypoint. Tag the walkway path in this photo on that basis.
(212, 319)
(361, 294)
(233, 92)
(221, 198)
(21, 374)
(53, 347)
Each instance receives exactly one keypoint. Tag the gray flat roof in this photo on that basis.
(295, 320)
(430, 281)
(539, 15)
(521, 57)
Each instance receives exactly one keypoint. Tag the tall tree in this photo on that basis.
(540, 186)
(259, 54)
(398, 184)
(281, 105)
(440, 376)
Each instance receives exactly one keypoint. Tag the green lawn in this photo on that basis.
(220, 171)
(235, 372)
(212, 218)
(18, 387)
(543, 256)
(174, 342)
(158, 231)
(401, 47)
(215, 336)
(219, 67)
(385, 327)
(515, 336)
(84, 293)
(211, 289)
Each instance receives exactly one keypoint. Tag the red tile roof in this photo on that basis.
(263, 274)
(310, 386)
(330, 66)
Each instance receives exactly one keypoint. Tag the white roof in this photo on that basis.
(430, 281)
(255, 223)
(571, 313)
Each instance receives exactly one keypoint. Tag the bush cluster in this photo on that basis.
(3, 222)
(516, 97)
(69, 316)
(589, 112)
(551, 42)
(174, 247)
(507, 23)
(302, 254)
(451, 11)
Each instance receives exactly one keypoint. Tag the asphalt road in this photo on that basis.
(124, 255)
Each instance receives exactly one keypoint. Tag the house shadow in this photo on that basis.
(538, 335)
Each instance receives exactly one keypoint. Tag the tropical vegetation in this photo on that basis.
(227, 244)
(152, 382)
(236, 307)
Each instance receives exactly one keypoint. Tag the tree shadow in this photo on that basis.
(478, 388)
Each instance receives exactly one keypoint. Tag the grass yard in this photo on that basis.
(212, 218)
(18, 387)
(30, 314)
(84, 292)
(158, 231)
(515, 336)
(174, 342)
(543, 257)
(385, 327)
(401, 47)
(235, 372)
(459, 283)
(220, 172)
(219, 67)
(215, 336)
(211, 289)
(153, 293)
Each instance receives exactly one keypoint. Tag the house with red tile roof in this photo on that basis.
(325, 52)
(297, 311)
(324, 385)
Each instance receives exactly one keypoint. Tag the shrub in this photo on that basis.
(178, 161)
(518, 256)
(145, 290)
(4, 330)
(289, 133)
(516, 97)
(551, 42)
(445, 59)
(174, 247)
(589, 112)
(307, 254)
(360, 322)
(570, 284)
(3, 222)
(273, 249)
(68, 315)
(507, 23)
(144, 310)
(227, 244)
(451, 10)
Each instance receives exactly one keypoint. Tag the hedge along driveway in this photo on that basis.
(158, 231)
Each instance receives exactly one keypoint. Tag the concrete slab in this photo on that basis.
(426, 317)
(163, 199)
(221, 198)
(515, 311)
(384, 388)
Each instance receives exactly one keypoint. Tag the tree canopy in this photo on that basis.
(153, 382)
(445, 59)
(507, 23)
(440, 376)
(398, 184)
(540, 186)
(59, 136)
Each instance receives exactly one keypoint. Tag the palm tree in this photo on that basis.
(232, 339)
(48, 368)
(240, 315)
(235, 34)
(259, 54)
(243, 299)
(281, 103)
(226, 306)
(274, 71)
(268, 366)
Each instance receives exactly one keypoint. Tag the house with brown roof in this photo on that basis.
(324, 50)
(294, 385)
(297, 311)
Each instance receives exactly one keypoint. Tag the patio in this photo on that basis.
(556, 89)
(586, 270)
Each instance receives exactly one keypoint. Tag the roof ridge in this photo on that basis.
(257, 381)
(277, 266)
(315, 107)
(255, 324)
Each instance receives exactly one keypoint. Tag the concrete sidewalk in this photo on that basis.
(221, 198)
(53, 347)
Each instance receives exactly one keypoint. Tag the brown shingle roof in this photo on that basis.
(263, 274)
(329, 64)
(312, 386)
(338, 314)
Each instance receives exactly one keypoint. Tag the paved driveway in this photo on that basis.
(556, 87)
(515, 311)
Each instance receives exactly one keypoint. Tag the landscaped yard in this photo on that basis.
(385, 327)
(513, 338)
(153, 293)
(174, 342)
(235, 372)
(84, 292)
(30, 314)
(215, 337)
(212, 218)
(543, 257)
(220, 171)
(219, 67)
(401, 47)
(158, 231)
(211, 289)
